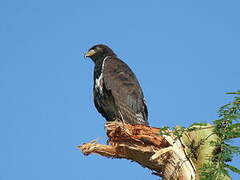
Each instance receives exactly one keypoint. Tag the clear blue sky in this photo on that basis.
(184, 53)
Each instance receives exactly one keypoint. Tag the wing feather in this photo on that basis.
(119, 79)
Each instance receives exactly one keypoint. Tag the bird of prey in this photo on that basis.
(116, 90)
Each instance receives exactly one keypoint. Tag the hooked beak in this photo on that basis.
(89, 53)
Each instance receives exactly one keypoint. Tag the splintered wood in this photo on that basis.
(163, 154)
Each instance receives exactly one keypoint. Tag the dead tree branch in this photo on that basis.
(163, 154)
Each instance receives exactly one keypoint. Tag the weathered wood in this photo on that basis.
(163, 154)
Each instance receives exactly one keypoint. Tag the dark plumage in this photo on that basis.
(117, 93)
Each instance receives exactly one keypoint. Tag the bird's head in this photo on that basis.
(99, 52)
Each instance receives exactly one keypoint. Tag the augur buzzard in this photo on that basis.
(117, 92)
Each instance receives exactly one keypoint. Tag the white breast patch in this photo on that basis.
(99, 84)
(99, 81)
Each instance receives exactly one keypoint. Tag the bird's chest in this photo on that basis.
(98, 80)
(98, 85)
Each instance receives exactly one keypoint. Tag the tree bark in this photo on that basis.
(165, 155)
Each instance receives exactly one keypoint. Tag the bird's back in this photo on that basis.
(120, 89)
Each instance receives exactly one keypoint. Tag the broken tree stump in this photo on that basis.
(165, 155)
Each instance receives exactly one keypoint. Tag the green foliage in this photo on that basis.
(207, 145)
(226, 127)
